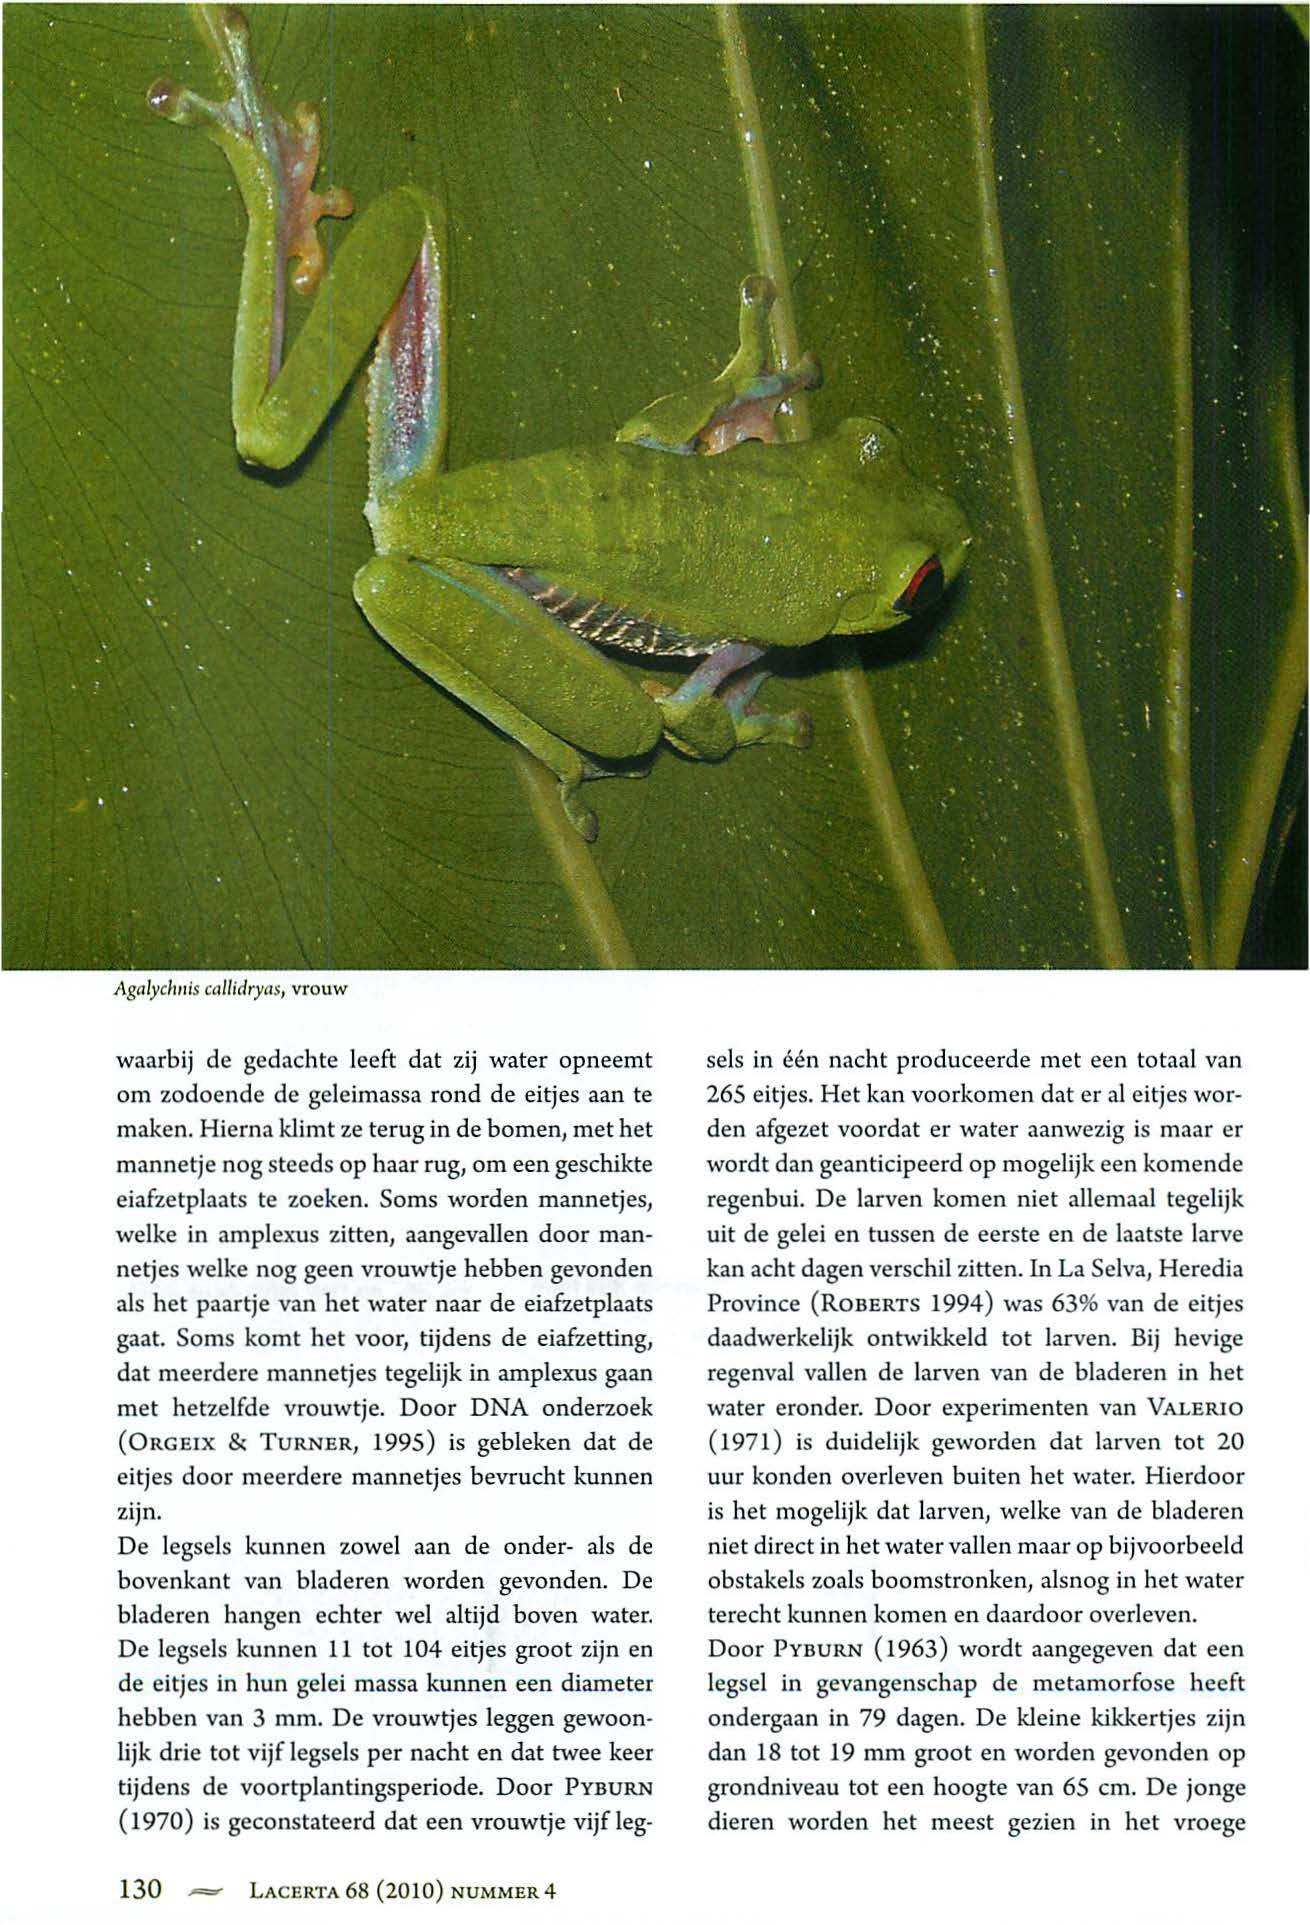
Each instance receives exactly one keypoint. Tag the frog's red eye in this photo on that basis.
(924, 587)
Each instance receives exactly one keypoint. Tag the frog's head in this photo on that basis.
(913, 539)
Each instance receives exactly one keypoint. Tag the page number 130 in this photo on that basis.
(140, 1888)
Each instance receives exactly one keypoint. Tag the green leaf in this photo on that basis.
(1060, 250)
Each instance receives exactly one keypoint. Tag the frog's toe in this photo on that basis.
(228, 35)
(792, 729)
(582, 818)
(172, 101)
(280, 157)
(166, 97)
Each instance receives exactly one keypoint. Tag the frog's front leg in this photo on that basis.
(277, 408)
(714, 712)
(482, 639)
(738, 405)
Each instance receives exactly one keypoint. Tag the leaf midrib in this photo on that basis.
(1061, 689)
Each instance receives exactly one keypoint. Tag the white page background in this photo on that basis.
(65, 1857)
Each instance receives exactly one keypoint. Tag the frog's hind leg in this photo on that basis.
(477, 636)
(278, 406)
(714, 712)
(407, 394)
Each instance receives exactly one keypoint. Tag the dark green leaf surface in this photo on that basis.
(1036, 240)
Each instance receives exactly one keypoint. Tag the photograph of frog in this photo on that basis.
(873, 428)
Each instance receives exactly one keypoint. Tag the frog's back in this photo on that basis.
(735, 544)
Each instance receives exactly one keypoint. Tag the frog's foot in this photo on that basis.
(792, 727)
(274, 160)
(738, 405)
(755, 388)
(707, 720)
(582, 818)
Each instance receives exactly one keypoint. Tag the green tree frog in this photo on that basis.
(695, 533)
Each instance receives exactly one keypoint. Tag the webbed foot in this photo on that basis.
(274, 160)
(714, 712)
(792, 727)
